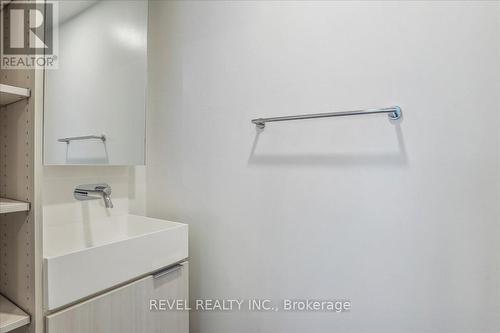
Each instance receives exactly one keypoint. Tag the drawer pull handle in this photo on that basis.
(167, 271)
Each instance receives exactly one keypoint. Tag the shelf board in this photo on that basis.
(11, 317)
(11, 94)
(12, 206)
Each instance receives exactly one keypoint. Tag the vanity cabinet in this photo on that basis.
(127, 309)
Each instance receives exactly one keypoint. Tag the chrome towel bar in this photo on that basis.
(86, 137)
(394, 113)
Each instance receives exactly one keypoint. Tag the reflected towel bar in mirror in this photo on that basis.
(394, 113)
(85, 137)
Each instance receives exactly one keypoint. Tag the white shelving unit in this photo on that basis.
(21, 291)
(11, 317)
(11, 94)
(12, 206)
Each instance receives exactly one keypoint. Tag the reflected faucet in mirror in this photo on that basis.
(89, 191)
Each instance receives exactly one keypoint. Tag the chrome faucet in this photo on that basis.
(104, 190)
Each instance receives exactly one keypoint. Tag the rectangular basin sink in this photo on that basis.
(85, 258)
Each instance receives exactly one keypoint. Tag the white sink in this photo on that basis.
(82, 259)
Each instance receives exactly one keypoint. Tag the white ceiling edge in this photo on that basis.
(71, 8)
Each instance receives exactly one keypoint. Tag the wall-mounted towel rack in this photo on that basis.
(86, 137)
(394, 113)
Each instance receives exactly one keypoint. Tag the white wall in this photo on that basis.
(60, 207)
(127, 183)
(403, 219)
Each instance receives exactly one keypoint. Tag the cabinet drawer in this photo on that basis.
(126, 309)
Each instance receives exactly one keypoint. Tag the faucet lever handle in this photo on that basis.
(82, 192)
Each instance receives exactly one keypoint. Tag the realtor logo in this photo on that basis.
(29, 34)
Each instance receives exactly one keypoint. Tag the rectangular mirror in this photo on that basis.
(95, 101)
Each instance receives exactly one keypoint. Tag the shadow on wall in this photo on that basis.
(87, 153)
(338, 159)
